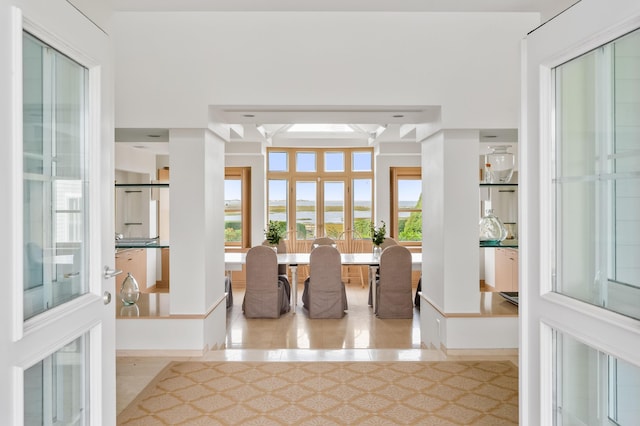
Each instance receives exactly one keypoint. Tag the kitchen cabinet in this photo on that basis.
(147, 232)
(506, 269)
(132, 261)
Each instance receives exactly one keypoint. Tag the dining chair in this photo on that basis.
(350, 241)
(388, 241)
(393, 288)
(265, 295)
(324, 294)
(323, 241)
(282, 269)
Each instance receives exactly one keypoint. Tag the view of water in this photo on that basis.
(362, 210)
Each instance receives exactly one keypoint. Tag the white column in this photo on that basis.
(450, 277)
(197, 217)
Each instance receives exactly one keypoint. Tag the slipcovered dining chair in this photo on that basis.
(393, 289)
(388, 241)
(265, 295)
(323, 241)
(282, 268)
(324, 294)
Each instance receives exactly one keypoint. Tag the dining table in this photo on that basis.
(234, 261)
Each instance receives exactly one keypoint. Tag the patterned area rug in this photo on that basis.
(329, 393)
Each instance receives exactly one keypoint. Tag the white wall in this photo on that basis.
(172, 65)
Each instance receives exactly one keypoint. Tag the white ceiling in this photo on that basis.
(246, 119)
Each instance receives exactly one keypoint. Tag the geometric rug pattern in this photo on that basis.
(329, 393)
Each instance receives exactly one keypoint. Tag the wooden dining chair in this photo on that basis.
(350, 241)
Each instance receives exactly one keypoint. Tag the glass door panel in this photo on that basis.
(333, 207)
(306, 207)
(597, 176)
(55, 389)
(55, 178)
(362, 206)
(278, 201)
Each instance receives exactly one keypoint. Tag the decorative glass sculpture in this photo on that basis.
(130, 291)
(498, 164)
(492, 230)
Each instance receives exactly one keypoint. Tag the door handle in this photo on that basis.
(110, 273)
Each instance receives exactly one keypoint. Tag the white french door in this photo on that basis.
(62, 342)
(579, 363)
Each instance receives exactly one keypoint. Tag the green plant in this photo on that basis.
(377, 235)
(273, 233)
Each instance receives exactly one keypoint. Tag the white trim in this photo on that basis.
(94, 372)
(40, 321)
(546, 374)
(16, 272)
(17, 374)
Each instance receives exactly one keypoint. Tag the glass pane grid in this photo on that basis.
(55, 201)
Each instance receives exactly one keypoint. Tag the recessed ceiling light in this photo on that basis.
(248, 115)
(490, 136)
(398, 116)
(140, 146)
(153, 136)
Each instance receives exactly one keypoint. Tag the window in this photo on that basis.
(597, 177)
(237, 206)
(330, 192)
(406, 204)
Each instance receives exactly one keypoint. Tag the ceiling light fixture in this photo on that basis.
(153, 136)
(248, 115)
(398, 116)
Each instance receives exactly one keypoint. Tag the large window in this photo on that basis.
(321, 192)
(597, 177)
(237, 206)
(406, 204)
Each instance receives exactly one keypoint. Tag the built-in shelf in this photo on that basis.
(498, 184)
(503, 244)
(142, 185)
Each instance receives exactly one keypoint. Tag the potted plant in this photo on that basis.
(377, 237)
(274, 233)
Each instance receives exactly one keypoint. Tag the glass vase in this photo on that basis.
(377, 251)
(492, 230)
(498, 164)
(130, 291)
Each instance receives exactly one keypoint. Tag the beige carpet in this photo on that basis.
(329, 393)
